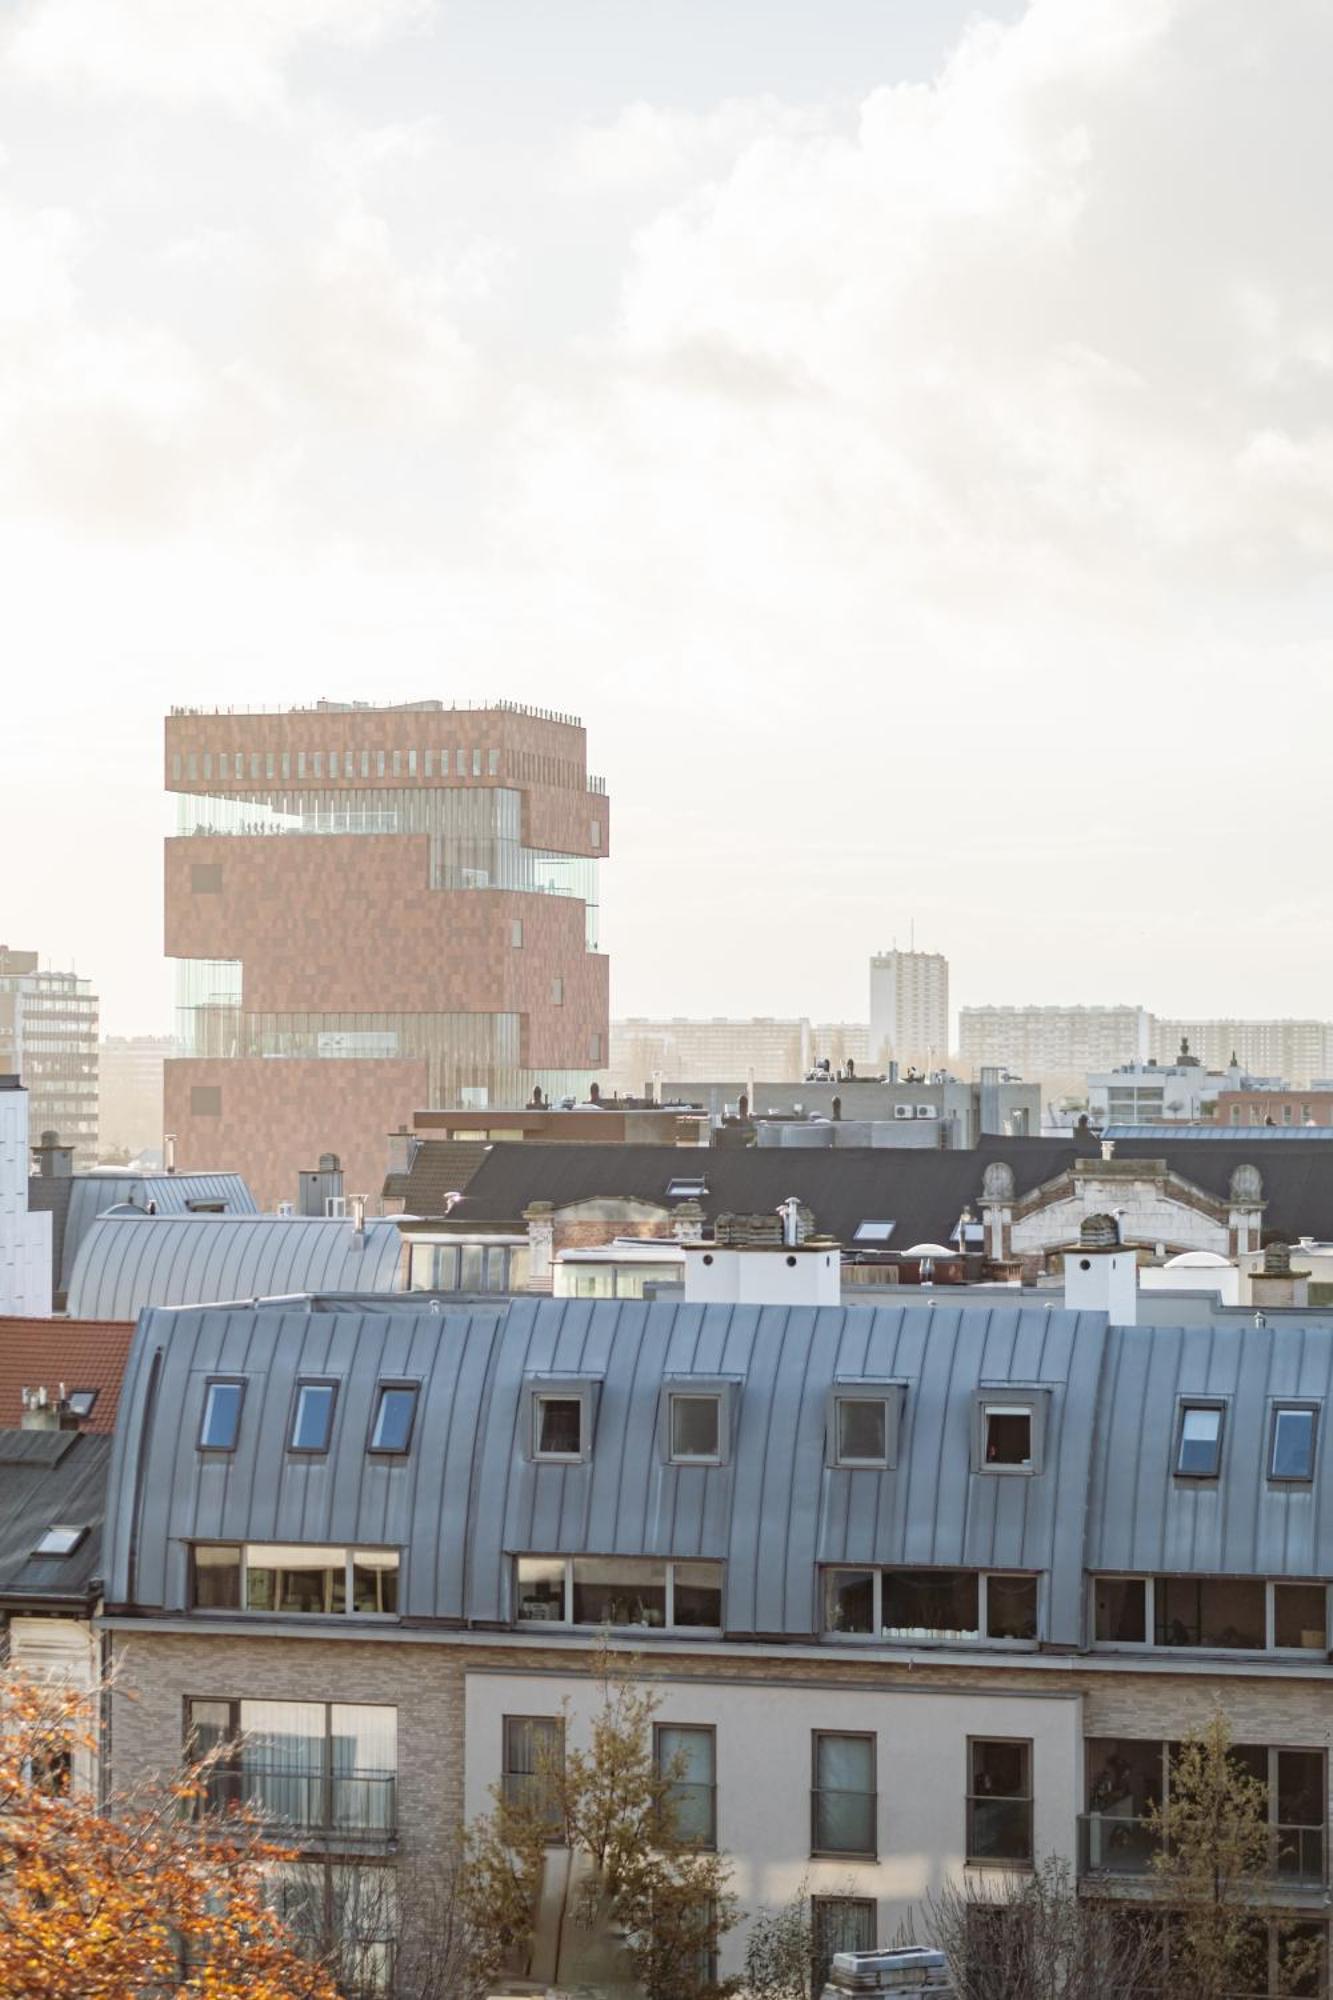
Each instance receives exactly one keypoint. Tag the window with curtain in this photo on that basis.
(313, 1765)
(687, 1755)
(534, 1754)
(844, 1794)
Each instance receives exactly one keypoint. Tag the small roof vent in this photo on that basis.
(1099, 1232)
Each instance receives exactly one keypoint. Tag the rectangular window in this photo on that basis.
(687, 1756)
(595, 834)
(557, 992)
(208, 764)
(476, 763)
(934, 1603)
(460, 764)
(216, 1579)
(268, 764)
(224, 765)
(862, 1430)
(365, 763)
(696, 1428)
(176, 764)
(192, 765)
(623, 1591)
(281, 1578)
(849, 1600)
(1007, 1431)
(1120, 1610)
(300, 763)
(839, 1923)
(59, 1541)
(428, 763)
(286, 763)
(221, 1422)
(557, 1427)
(312, 1421)
(1217, 1613)
(492, 763)
(317, 1767)
(1300, 1617)
(1199, 1451)
(397, 763)
(844, 1812)
(379, 763)
(516, 932)
(594, 1049)
(534, 1758)
(395, 1412)
(999, 1800)
(873, 1232)
(1011, 1607)
(319, 763)
(411, 763)
(1291, 1454)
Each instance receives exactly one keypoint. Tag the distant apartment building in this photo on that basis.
(48, 1038)
(130, 1080)
(1182, 1092)
(1299, 1051)
(376, 910)
(1280, 1106)
(1058, 1045)
(841, 1042)
(692, 1050)
(909, 1009)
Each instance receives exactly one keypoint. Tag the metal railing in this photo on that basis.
(1113, 1844)
(357, 1805)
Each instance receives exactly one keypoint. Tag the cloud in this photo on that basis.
(187, 52)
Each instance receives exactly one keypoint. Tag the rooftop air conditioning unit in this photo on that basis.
(286, 1208)
(927, 1111)
(904, 1111)
(335, 1204)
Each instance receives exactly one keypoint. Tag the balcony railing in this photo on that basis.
(1109, 1844)
(353, 1806)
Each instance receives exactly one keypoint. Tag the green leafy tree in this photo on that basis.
(605, 1822)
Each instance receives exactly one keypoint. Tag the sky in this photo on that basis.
(903, 432)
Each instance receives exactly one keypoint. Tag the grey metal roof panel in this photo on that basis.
(466, 1499)
(50, 1478)
(76, 1201)
(1145, 1519)
(127, 1262)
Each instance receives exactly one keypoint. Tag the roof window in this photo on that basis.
(82, 1402)
(395, 1414)
(873, 1232)
(1199, 1448)
(1291, 1452)
(221, 1422)
(557, 1418)
(687, 1187)
(60, 1541)
(312, 1419)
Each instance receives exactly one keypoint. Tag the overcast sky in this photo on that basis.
(904, 434)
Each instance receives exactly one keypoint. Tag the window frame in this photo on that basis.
(879, 1637)
(544, 1454)
(582, 1389)
(76, 1533)
(723, 1388)
(244, 1550)
(212, 1382)
(89, 1399)
(823, 1959)
(1032, 1399)
(1185, 1404)
(1148, 1644)
(818, 1853)
(566, 1622)
(891, 1394)
(558, 1722)
(708, 1845)
(392, 1382)
(1278, 1407)
(304, 1382)
(676, 1456)
(973, 1860)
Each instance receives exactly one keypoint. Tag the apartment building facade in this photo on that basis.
(909, 1009)
(975, 1572)
(375, 910)
(48, 1038)
(695, 1050)
(130, 1083)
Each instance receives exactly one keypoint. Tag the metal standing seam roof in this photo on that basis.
(77, 1200)
(50, 1478)
(127, 1262)
(466, 1498)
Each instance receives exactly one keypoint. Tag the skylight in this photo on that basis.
(60, 1541)
(873, 1232)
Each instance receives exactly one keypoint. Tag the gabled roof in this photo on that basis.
(50, 1478)
(441, 1167)
(81, 1353)
(130, 1261)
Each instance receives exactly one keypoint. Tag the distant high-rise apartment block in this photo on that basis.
(375, 910)
(48, 1038)
(841, 1042)
(1054, 1042)
(909, 1009)
(1297, 1051)
(696, 1051)
(130, 1085)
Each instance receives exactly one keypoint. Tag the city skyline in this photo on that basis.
(906, 435)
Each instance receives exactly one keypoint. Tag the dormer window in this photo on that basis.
(1199, 1448)
(696, 1428)
(1291, 1451)
(861, 1430)
(557, 1418)
(1009, 1426)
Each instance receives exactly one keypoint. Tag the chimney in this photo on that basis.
(790, 1211)
(169, 1152)
(43, 1412)
(1102, 1274)
(54, 1161)
(359, 1219)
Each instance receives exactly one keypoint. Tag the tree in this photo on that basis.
(780, 1950)
(598, 1840)
(1214, 1862)
(1037, 1940)
(137, 1894)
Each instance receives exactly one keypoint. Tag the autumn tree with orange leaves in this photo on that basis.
(138, 1894)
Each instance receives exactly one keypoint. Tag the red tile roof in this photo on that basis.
(81, 1353)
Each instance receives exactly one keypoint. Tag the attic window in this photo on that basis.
(395, 1413)
(1008, 1435)
(696, 1429)
(60, 1541)
(862, 1430)
(1292, 1451)
(873, 1232)
(1009, 1428)
(222, 1416)
(82, 1402)
(687, 1188)
(557, 1427)
(1199, 1451)
(312, 1419)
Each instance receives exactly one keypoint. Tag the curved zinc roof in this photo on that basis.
(467, 1497)
(83, 1197)
(126, 1262)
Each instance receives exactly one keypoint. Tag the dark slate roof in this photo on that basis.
(130, 1261)
(81, 1353)
(440, 1167)
(923, 1192)
(50, 1478)
(74, 1201)
(1297, 1178)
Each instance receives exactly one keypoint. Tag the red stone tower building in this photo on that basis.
(375, 910)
